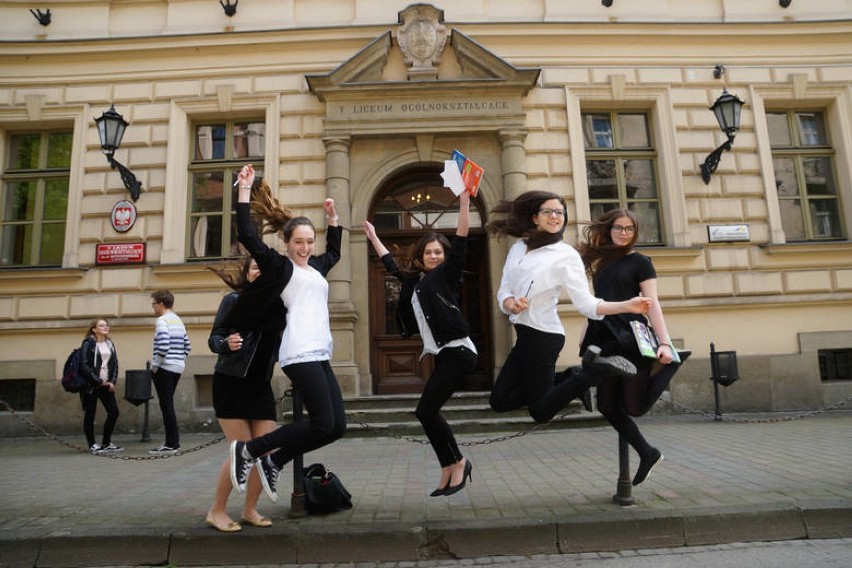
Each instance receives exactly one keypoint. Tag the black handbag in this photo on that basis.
(324, 492)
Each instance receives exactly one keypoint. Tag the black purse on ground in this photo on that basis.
(324, 492)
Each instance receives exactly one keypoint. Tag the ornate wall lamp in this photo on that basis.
(230, 9)
(111, 126)
(42, 17)
(784, 3)
(727, 109)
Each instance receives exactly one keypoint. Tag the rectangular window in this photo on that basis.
(804, 176)
(835, 364)
(18, 393)
(34, 199)
(621, 166)
(220, 151)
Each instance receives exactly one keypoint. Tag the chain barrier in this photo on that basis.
(109, 455)
(735, 419)
(414, 440)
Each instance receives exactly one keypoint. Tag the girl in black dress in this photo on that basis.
(619, 272)
(242, 389)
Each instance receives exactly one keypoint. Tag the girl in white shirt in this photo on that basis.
(305, 353)
(537, 269)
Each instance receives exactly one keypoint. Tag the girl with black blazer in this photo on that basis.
(99, 366)
(429, 304)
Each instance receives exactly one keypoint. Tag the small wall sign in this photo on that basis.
(120, 253)
(123, 216)
(728, 233)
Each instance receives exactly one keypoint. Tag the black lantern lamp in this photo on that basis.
(111, 126)
(727, 109)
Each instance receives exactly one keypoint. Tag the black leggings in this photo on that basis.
(320, 392)
(620, 399)
(452, 365)
(527, 376)
(89, 401)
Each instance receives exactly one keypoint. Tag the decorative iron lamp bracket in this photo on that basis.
(133, 185)
(711, 162)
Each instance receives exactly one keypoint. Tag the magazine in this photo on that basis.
(647, 341)
(471, 172)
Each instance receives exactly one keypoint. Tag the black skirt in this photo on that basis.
(246, 398)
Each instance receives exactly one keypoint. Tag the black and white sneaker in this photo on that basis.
(95, 449)
(112, 448)
(240, 465)
(164, 451)
(612, 364)
(269, 474)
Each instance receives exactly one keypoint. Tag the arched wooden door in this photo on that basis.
(408, 205)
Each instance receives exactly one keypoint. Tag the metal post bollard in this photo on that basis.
(624, 488)
(297, 498)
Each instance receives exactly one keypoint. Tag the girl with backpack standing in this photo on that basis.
(99, 367)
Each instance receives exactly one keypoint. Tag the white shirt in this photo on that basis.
(541, 275)
(307, 336)
(429, 343)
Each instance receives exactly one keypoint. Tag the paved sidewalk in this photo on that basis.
(546, 492)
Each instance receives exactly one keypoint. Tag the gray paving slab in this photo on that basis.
(544, 493)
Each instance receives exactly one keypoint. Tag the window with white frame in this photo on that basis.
(621, 169)
(220, 150)
(34, 198)
(803, 160)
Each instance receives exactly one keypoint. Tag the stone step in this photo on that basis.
(466, 412)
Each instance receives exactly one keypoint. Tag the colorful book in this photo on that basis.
(648, 342)
(471, 172)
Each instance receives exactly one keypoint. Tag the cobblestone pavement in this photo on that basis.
(549, 491)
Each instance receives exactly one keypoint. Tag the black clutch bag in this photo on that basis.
(324, 492)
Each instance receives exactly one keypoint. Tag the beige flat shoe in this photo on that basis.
(260, 522)
(232, 526)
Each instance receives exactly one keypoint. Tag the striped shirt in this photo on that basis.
(171, 344)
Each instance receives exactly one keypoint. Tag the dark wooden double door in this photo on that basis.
(395, 362)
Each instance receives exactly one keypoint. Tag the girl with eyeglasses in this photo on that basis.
(429, 305)
(619, 272)
(538, 268)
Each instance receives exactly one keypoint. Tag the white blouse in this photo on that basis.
(541, 275)
(307, 336)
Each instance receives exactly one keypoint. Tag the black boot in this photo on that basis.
(611, 365)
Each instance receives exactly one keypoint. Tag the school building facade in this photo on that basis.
(363, 101)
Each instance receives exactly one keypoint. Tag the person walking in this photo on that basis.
(619, 272)
(539, 266)
(429, 303)
(171, 347)
(306, 345)
(99, 366)
(242, 390)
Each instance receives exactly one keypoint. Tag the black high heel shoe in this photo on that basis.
(439, 491)
(451, 489)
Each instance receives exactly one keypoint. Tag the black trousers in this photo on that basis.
(326, 421)
(527, 376)
(89, 401)
(452, 365)
(165, 383)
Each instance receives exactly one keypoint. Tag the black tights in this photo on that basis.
(527, 377)
(452, 365)
(620, 399)
(320, 392)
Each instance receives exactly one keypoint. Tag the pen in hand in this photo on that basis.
(527, 295)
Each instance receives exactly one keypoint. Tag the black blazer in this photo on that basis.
(438, 294)
(264, 294)
(90, 363)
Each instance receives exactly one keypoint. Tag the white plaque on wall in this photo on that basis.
(728, 233)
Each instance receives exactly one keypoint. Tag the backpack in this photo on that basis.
(72, 379)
